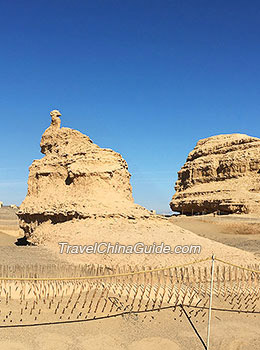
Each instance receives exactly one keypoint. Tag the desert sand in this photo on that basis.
(166, 329)
(9, 229)
(240, 231)
(184, 328)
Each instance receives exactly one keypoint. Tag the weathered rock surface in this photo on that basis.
(76, 179)
(222, 173)
(80, 193)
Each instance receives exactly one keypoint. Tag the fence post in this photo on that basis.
(210, 299)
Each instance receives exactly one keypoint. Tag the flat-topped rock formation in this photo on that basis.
(222, 173)
(75, 179)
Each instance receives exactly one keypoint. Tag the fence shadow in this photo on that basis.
(193, 327)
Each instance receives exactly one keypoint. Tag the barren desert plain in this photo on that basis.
(180, 328)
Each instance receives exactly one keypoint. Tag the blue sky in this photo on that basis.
(145, 78)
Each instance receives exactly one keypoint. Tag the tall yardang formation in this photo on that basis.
(222, 173)
(76, 179)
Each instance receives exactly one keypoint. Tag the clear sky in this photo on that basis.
(145, 78)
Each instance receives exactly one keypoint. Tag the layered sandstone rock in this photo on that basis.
(80, 193)
(222, 173)
(76, 179)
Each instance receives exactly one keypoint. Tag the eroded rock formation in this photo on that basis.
(76, 179)
(80, 193)
(222, 173)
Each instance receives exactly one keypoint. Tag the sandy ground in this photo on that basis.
(129, 232)
(240, 231)
(22, 255)
(165, 330)
(9, 229)
(6, 239)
